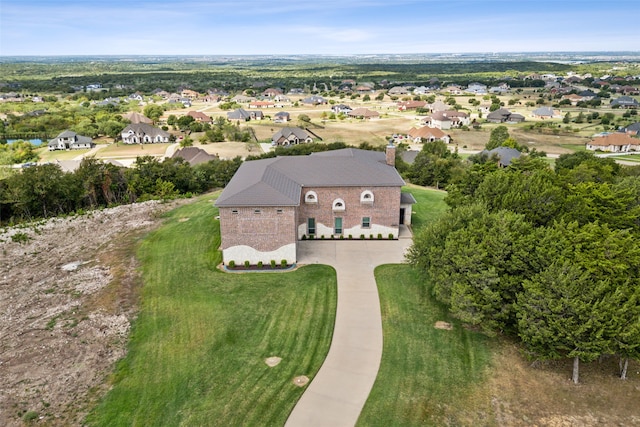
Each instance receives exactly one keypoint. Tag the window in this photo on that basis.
(278, 211)
(366, 197)
(338, 205)
(311, 226)
(311, 197)
(257, 211)
(366, 222)
(337, 228)
(234, 211)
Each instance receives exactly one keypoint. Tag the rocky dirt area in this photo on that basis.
(68, 294)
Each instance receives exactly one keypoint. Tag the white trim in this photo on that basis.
(339, 205)
(241, 253)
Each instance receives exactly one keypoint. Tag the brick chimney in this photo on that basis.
(390, 152)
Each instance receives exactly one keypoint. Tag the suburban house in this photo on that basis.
(69, 140)
(193, 155)
(427, 134)
(625, 102)
(411, 105)
(633, 129)
(503, 115)
(363, 113)
(291, 136)
(242, 99)
(398, 90)
(281, 117)
(341, 108)
(189, 94)
(271, 204)
(447, 119)
(502, 155)
(143, 133)
(614, 143)
(271, 92)
(476, 88)
(244, 115)
(314, 100)
(199, 116)
(261, 104)
(546, 113)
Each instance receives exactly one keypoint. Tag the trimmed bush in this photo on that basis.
(379, 236)
(247, 264)
(273, 263)
(304, 237)
(311, 236)
(362, 237)
(232, 264)
(341, 237)
(390, 236)
(260, 264)
(371, 236)
(350, 237)
(283, 263)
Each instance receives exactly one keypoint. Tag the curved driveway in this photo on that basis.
(339, 391)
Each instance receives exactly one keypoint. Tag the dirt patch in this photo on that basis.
(301, 381)
(69, 294)
(273, 361)
(443, 325)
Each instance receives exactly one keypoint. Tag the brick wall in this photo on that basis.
(384, 212)
(268, 230)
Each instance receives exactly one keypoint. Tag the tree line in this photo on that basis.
(550, 256)
(43, 191)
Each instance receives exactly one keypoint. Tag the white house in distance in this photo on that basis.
(143, 133)
(69, 140)
(614, 143)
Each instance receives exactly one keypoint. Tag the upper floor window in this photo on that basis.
(311, 197)
(338, 205)
(366, 197)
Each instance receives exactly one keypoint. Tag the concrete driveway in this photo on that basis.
(339, 391)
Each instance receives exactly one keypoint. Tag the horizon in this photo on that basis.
(37, 28)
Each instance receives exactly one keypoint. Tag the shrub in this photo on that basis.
(20, 238)
(322, 237)
(232, 264)
(260, 264)
(304, 237)
(247, 264)
(273, 263)
(370, 236)
(362, 237)
(333, 237)
(283, 263)
(341, 237)
(350, 237)
(30, 416)
(379, 236)
(311, 237)
(390, 236)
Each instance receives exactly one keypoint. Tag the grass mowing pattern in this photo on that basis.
(426, 373)
(197, 350)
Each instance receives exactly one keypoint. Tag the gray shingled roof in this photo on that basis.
(279, 181)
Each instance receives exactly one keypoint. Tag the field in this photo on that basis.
(198, 348)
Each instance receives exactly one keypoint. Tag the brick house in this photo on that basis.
(271, 204)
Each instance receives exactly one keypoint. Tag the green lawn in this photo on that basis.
(430, 205)
(426, 373)
(629, 158)
(197, 349)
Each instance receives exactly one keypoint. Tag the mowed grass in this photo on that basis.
(426, 375)
(197, 350)
(430, 204)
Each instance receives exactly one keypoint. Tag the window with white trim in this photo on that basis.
(366, 222)
(311, 197)
(338, 205)
(366, 197)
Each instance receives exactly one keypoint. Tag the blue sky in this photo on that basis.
(332, 27)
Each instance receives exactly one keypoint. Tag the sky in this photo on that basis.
(327, 27)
